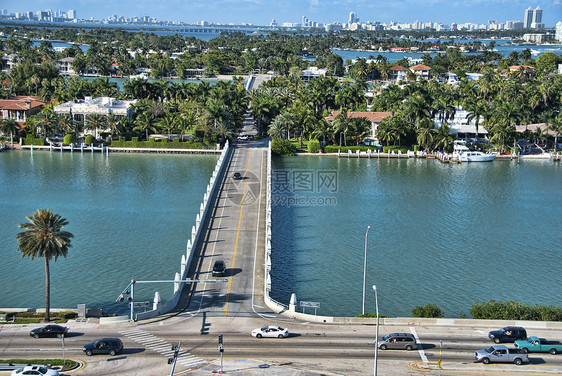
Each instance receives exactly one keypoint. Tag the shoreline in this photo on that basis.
(546, 156)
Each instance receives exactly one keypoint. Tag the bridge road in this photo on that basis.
(234, 233)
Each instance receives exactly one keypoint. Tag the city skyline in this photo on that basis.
(261, 12)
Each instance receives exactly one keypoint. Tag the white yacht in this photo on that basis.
(464, 154)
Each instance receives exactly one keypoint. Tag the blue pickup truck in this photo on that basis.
(536, 344)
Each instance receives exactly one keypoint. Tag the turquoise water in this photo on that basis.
(445, 234)
(536, 50)
(131, 215)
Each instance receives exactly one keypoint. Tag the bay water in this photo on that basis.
(131, 216)
(440, 233)
(449, 234)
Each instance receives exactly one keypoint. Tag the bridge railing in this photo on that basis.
(196, 234)
(271, 303)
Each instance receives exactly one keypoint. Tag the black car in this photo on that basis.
(508, 334)
(49, 331)
(219, 269)
(237, 176)
(109, 346)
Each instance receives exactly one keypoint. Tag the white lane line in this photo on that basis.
(420, 348)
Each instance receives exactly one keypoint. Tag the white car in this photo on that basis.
(270, 331)
(35, 370)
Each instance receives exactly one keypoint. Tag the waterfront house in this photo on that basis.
(374, 118)
(81, 108)
(398, 73)
(464, 129)
(312, 72)
(8, 62)
(19, 108)
(420, 70)
(527, 71)
(64, 66)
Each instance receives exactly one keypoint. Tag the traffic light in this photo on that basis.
(220, 339)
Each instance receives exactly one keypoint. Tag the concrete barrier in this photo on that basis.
(194, 236)
(114, 319)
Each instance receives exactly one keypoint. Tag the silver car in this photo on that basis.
(398, 341)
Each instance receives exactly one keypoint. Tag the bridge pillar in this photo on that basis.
(156, 303)
(177, 277)
(293, 303)
(183, 264)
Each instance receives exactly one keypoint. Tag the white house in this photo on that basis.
(463, 128)
(80, 108)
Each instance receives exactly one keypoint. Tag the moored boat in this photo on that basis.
(462, 153)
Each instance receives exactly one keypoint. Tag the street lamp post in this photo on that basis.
(365, 269)
(377, 330)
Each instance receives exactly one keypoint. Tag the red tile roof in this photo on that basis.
(397, 68)
(369, 115)
(20, 103)
(420, 67)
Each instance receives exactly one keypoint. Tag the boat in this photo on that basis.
(462, 153)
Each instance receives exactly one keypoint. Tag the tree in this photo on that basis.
(10, 126)
(444, 137)
(95, 122)
(43, 237)
(145, 123)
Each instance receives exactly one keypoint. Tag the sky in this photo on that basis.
(261, 12)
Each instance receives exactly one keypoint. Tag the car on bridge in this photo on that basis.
(270, 331)
(219, 269)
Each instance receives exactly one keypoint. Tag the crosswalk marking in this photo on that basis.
(151, 342)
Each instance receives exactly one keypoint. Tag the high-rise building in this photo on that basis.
(537, 19)
(352, 18)
(528, 18)
(559, 32)
(71, 14)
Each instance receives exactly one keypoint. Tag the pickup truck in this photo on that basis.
(500, 353)
(536, 344)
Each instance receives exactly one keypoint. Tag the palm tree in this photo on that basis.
(10, 126)
(556, 126)
(145, 123)
(43, 237)
(95, 122)
(444, 137)
(169, 122)
(276, 128)
(341, 125)
(112, 123)
(46, 120)
(425, 134)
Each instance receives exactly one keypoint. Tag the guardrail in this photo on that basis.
(270, 302)
(196, 231)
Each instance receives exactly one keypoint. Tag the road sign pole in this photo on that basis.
(221, 349)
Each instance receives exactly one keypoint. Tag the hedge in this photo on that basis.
(427, 311)
(388, 149)
(282, 147)
(30, 140)
(69, 139)
(344, 149)
(313, 146)
(164, 144)
(514, 310)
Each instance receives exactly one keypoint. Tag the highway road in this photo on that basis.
(235, 234)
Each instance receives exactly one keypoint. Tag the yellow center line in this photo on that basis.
(238, 231)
